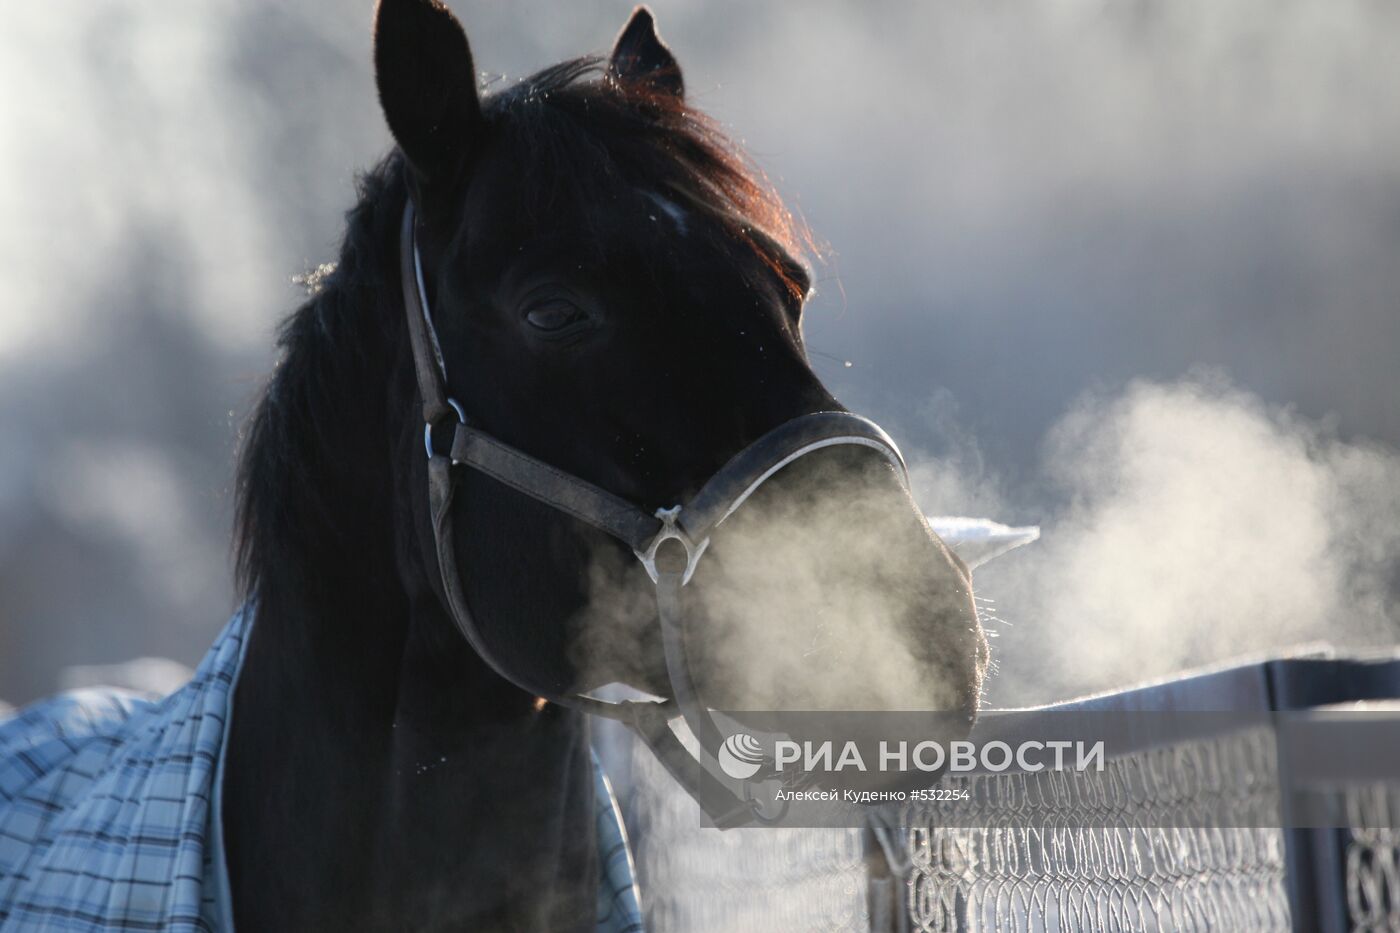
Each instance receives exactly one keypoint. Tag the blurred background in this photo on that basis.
(1128, 269)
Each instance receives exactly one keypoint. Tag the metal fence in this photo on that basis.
(1029, 866)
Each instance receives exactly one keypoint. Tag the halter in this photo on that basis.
(646, 532)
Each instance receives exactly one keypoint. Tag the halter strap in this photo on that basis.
(428, 364)
(728, 489)
(554, 487)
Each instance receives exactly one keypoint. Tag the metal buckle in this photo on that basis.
(757, 808)
(671, 531)
(428, 427)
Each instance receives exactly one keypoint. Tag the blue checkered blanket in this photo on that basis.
(109, 810)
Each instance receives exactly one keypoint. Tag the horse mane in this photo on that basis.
(324, 413)
(321, 384)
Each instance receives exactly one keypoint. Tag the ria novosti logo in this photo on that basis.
(741, 756)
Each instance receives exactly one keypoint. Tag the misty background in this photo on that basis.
(1124, 269)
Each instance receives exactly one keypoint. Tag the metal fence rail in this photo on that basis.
(1027, 867)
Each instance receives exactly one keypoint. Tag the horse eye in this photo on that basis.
(554, 316)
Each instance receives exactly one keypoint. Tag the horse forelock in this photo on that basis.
(578, 121)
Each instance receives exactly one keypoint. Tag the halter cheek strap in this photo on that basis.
(645, 532)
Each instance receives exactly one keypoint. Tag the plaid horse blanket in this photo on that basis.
(109, 810)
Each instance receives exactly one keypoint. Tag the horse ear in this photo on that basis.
(427, 86)
(640, 55)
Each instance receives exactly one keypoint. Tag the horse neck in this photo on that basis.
(371, 751)
(328, 545)
(379, 776)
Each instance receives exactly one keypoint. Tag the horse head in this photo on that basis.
(616, 298)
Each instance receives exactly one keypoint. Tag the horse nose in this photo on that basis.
(827, 590)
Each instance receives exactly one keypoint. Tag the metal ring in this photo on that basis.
(671, 531)
(428, 427)
(756, 807)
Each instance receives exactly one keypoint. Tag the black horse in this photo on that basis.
(619, 294)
